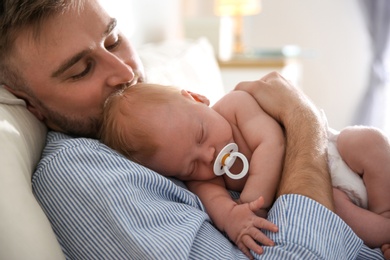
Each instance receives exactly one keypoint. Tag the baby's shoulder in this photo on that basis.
(237, 95)
(234, 99)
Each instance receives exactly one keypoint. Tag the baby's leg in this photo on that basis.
(367, 152)
(372, 228)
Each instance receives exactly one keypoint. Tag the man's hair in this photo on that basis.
(15, 17)
(126, 126)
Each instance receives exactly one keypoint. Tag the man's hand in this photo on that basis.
(243, 227)
(277, 96)
(305, 169)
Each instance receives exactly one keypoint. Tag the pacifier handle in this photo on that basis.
(225, 159)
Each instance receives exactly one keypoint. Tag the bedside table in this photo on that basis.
(246, 69)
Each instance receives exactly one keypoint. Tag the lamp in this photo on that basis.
(237, 9)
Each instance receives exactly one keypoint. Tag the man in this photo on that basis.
(65, 58)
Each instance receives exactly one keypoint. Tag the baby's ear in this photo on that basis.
(186, 94)
(196, 97)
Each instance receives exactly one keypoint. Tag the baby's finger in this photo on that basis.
(252, 245)
(256, 204)
(386, 251)
(260, 237)
(265, 224)
(244, 249)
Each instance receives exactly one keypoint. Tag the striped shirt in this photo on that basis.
(103, 206)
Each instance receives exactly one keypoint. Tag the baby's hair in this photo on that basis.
(126, 126)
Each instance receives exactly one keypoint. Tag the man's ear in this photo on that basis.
(29, 105)
(36, 112)
(196, 97)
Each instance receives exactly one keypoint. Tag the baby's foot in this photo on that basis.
(386, 251)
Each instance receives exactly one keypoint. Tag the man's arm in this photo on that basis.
(305, 170)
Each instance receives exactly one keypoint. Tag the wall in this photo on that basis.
(335, 72)
(332, 34)
(333, 37)
(147, 20)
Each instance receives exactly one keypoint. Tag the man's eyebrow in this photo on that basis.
(73, 60)
(69, 63)
(110, 27)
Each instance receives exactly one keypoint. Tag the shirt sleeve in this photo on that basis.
(308, 230)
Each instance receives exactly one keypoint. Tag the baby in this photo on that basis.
(182, 137)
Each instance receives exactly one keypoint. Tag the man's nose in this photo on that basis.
(119, 73)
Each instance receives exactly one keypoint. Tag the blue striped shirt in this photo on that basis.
(103, 206)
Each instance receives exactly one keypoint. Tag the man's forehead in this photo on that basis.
(35, 49)
(59, 37)
(54, 20)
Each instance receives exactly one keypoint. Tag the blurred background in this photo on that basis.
(335, 51)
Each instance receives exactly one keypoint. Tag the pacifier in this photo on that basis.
(225, 159)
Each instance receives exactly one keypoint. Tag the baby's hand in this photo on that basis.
(243, 227)
(386, 251)
(260, 212)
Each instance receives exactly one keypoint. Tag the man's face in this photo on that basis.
(76, 62)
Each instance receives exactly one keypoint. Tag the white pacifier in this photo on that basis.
(225, 159)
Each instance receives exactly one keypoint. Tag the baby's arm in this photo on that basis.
(238, 221)
(264, 137)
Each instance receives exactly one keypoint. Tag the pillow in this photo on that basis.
(25, 232)
(187, 64)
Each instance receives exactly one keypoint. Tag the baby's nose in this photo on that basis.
(209, 155)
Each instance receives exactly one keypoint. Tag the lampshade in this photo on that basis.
(237, 7)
